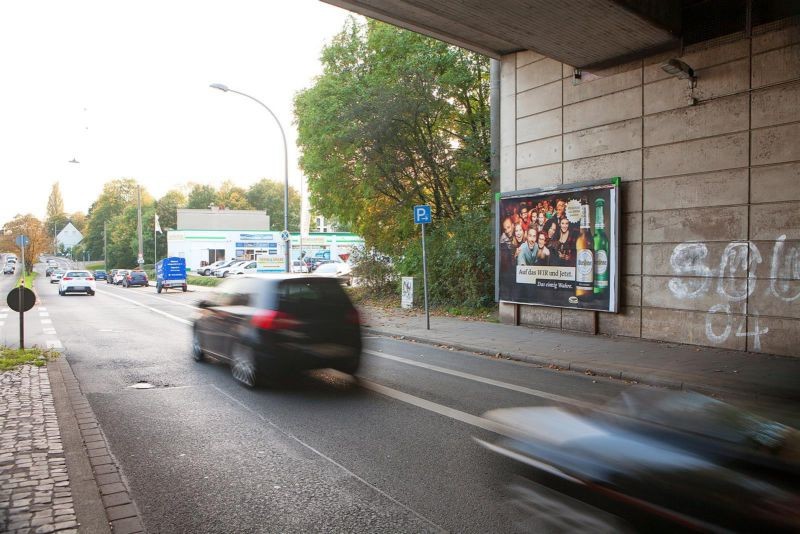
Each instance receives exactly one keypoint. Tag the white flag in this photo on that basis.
(158, 226)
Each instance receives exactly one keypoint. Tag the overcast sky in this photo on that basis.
(122, 87)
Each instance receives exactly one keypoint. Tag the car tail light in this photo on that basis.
(129, 277)
(90, 278)
(352, 317)
(274, 320)
(66, 278)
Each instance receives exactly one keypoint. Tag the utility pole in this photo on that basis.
(140, 258)
(105, 245)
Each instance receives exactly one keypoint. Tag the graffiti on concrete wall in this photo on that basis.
(734, 278)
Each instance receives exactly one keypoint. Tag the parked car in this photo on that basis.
(135, 278)
(223, 272)
(100, 274)
(120, 275)
(9, 268)
(76, 282)
(339, 271)
(248, 267)
(299, 266)
(208, 269)
(55, 276)
(224, 264)
(265, 325)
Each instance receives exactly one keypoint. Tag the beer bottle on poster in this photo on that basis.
(600, 249)
(584, 264)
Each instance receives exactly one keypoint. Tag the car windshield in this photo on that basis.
(78, 274)
(139, 274)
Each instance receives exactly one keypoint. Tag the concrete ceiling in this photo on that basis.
(581, 33)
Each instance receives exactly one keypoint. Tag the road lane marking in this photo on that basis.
(46, 321)
(3, 316)
(53, 344)
(43, 314)
(42, 308)
(326, 457)
(165, 299)
(145, 306)
(484, 380)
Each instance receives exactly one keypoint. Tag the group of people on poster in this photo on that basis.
(537, 234)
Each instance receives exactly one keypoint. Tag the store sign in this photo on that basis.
(560, 247)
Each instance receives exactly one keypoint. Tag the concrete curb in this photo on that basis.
(588, 369)
(105, 504)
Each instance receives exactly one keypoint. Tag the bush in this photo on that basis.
(208, 281)
(460, 261)
(375, 272)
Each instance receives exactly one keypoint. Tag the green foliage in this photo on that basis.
(460, 261)
(267, 195)
(13, 357)
(208, 281)
(167, 208)
(201, 197)
(116, 196)
(374, 272)
(232, 197)
(396, 119)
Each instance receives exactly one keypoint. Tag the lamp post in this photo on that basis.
(287, 242)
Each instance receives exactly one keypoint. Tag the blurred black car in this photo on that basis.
(653, 461)
(100, 275)
(267, 325)
(135, 278)
(49, 270)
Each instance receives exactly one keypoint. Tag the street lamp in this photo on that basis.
(288, 242)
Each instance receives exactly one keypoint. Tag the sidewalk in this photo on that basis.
(670, 365)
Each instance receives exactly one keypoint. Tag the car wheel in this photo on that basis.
(184, 288)
(350, 367)
(60, 292)
(225, 274)
(197, 348)
(243, 366)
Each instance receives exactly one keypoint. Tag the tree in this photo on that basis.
(232, 197)
(201, 197)
(396, 119)
(117, 195)
(167, 208)
(78, 220)
(56, 218)
(34, 230)
(267, 195)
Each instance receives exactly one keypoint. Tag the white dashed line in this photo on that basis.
(53, 344)
(47, 321)
(49, 331)
(43, 314)
(3, 316)
(42, 308)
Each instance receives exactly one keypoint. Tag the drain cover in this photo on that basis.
(142, 385)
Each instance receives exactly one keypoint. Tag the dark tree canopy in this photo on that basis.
(396, 119)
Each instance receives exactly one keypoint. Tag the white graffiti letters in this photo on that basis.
(688, 259)
(736, 280)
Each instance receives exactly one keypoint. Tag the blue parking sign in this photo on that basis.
(422, 214)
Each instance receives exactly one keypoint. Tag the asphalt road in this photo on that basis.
(391, 451)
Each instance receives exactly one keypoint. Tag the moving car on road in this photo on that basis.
(9, 268)
(135, 278)
(55, 276)
(76, 282)
(265, 325)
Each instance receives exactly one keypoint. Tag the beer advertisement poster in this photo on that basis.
(560, 247)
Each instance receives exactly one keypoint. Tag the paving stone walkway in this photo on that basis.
(35, 493)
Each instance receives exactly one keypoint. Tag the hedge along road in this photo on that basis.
(394, 452)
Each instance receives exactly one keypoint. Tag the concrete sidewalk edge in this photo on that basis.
(565, 365)
(100, 491)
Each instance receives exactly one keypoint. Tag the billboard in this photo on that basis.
(560, 246)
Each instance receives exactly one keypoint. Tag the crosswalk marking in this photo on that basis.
(43, 314)
(3, 316)
(47, 321)
(53, 344)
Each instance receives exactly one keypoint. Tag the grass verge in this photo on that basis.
(29, 277)
(208, 281)
(11, 358)
(391, 301)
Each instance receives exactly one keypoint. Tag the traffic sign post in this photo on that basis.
(422, 216)
(21, 299)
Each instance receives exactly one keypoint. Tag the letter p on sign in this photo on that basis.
(422, 214)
